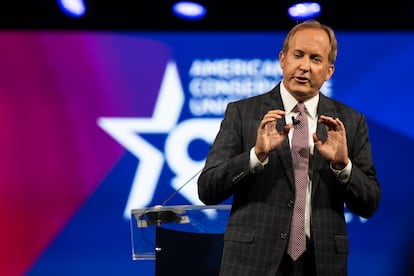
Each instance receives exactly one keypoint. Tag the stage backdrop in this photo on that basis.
(95, 124)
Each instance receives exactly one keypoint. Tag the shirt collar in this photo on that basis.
(289, 102)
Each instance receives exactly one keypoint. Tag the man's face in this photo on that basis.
(305, 65)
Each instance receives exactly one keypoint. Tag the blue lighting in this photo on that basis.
(305, 10)
(189, 10)
(73, 8)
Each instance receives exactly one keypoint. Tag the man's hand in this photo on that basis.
(335, 148)
(268, 138)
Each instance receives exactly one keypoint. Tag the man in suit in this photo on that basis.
(250, 160)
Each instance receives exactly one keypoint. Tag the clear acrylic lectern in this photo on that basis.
(183, 240)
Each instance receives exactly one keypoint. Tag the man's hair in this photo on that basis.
(313, 24)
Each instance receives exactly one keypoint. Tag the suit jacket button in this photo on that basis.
(283, 236)
(291, 203)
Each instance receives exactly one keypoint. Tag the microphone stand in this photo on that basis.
(158, 215)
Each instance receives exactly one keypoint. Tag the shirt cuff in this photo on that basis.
(344, 174)
(255, 165)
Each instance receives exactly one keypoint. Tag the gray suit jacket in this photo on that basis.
(258, 227)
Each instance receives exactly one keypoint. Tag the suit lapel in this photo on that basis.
(327, 108)
(274, 101)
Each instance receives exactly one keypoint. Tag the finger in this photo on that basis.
(326, 120)
(271, 126)
(273, 115)
(316, 139)
(330, 122)
(286, 129)
(339, 124)
(267, 120)
(277, 112)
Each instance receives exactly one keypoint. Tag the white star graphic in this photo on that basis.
(124, 130)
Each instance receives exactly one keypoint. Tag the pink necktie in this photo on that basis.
(300, 160)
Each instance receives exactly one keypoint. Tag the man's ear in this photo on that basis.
(281, 58)
(330, 72)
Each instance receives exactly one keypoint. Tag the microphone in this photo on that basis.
(295, 121)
